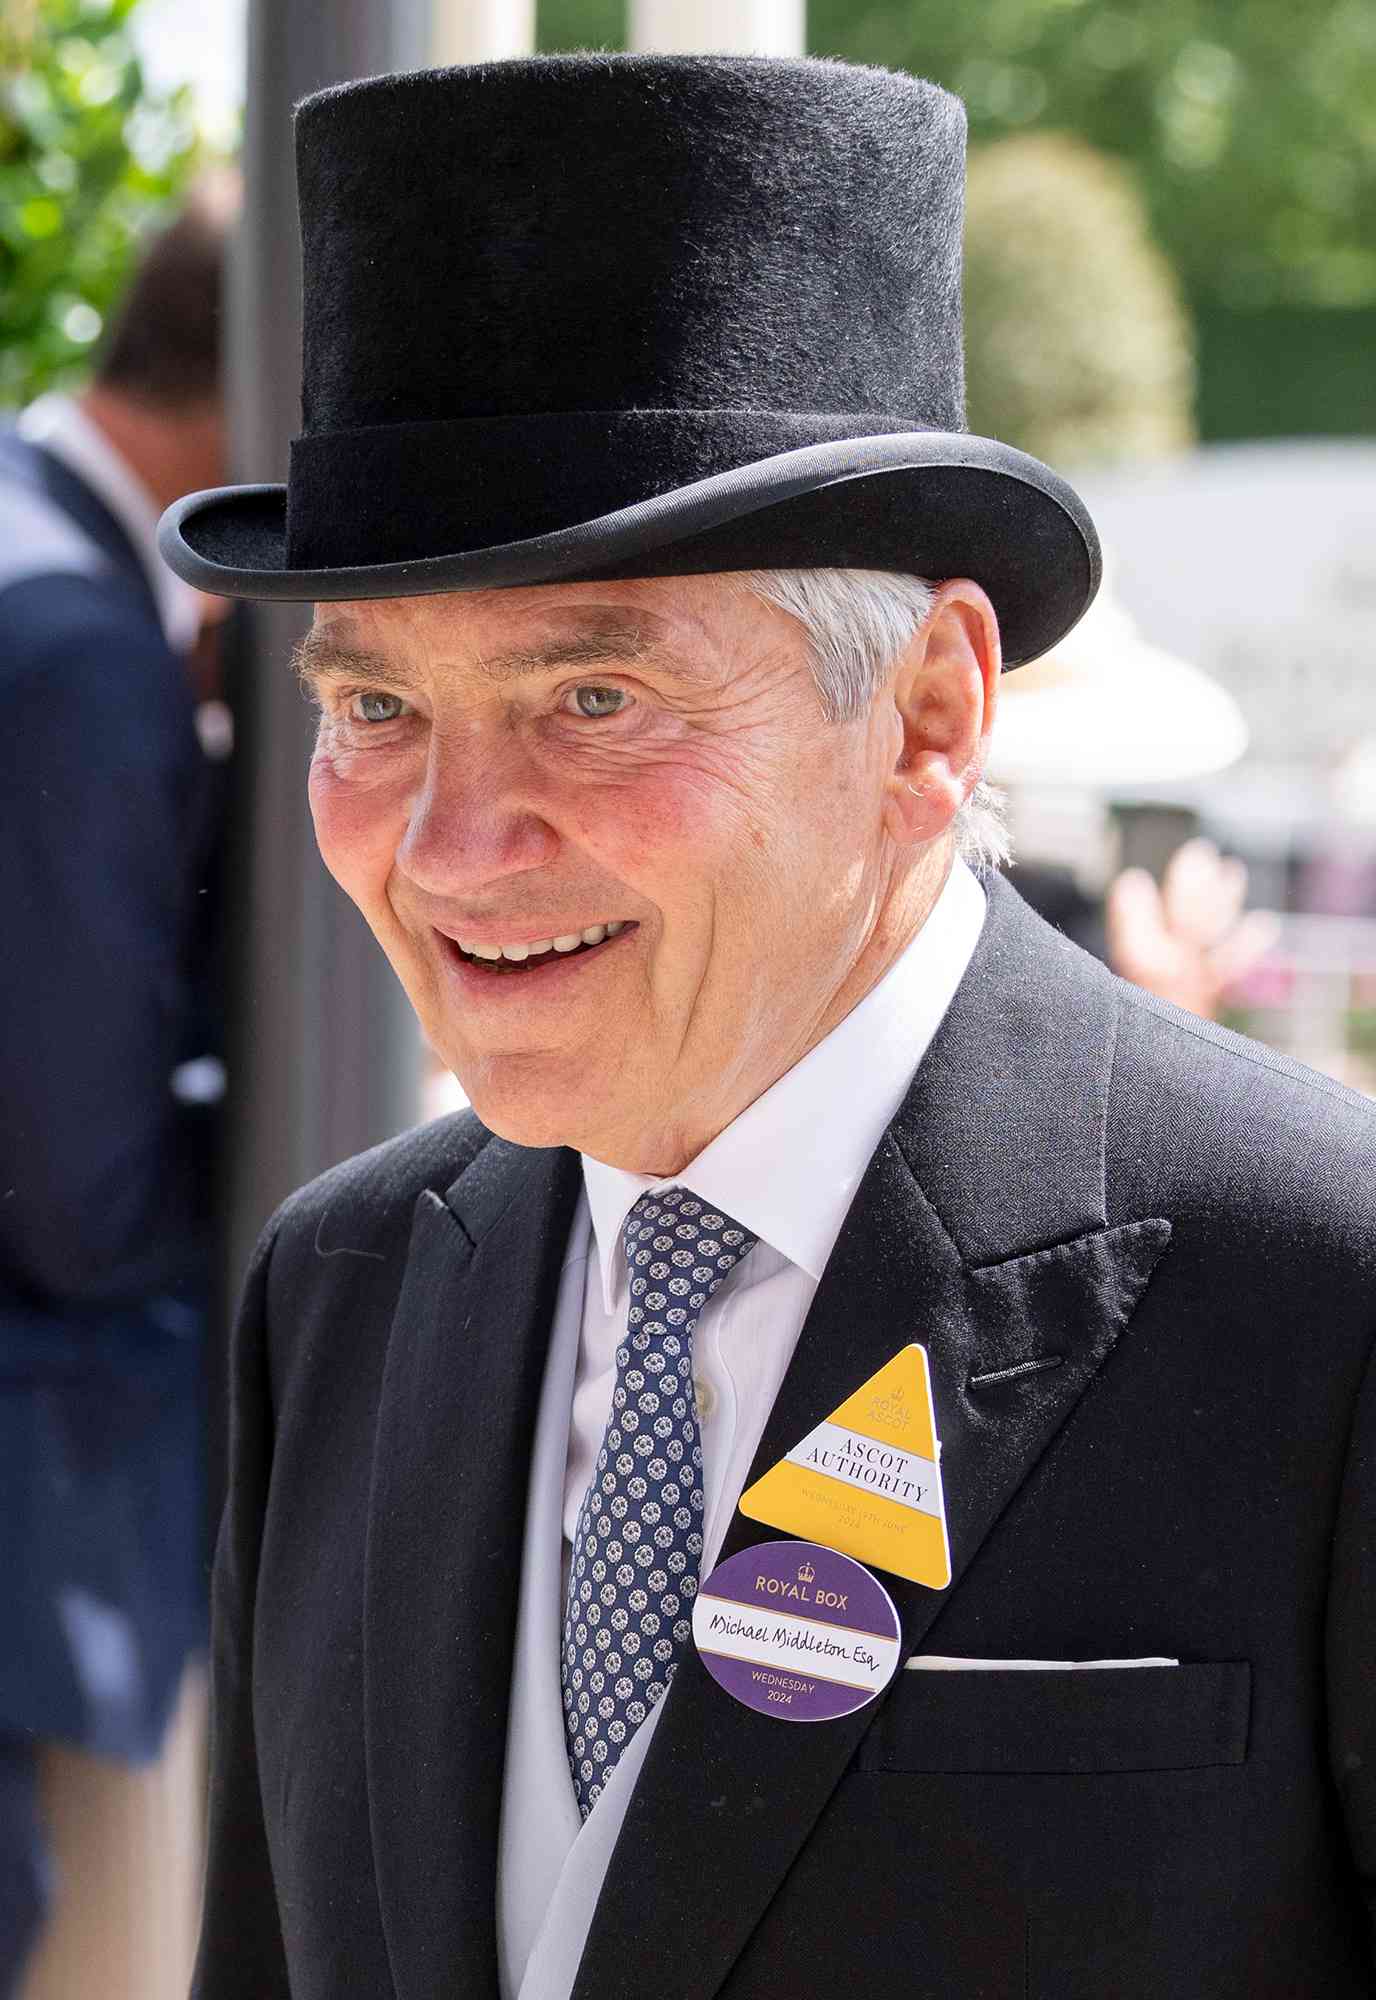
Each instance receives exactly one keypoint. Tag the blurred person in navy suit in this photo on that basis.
(109, 828)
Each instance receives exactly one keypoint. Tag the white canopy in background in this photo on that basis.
(1108, 711)
(1257, 563)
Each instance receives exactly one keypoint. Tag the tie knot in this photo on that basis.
(678, 1251)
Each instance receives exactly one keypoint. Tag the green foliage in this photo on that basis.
(1361, 1032)
(87, 161)
(581, 24)
(1251, 124)
(1286, 371)
(1077, 345)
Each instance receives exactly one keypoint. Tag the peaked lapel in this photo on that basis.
(980, 1229)
(447, 1508)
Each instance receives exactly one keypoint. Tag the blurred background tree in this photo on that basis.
(1247, 125)
(88, 159)
(1078, 346)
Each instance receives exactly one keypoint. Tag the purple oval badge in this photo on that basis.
(796, 1630)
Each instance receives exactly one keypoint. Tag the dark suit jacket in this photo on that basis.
(1141, 1253)
(103, 1263)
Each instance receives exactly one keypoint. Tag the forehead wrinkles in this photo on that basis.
(598, 636)
(630, 640)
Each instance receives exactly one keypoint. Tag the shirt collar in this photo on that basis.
(61, 426)
(789, 1166)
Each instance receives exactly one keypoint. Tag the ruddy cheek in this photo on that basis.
(627, 826)
(359, 821)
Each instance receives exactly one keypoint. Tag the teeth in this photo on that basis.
(517, 954)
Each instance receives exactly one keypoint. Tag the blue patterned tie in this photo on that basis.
(638, 1547)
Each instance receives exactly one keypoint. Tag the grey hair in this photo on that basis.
(858, 623)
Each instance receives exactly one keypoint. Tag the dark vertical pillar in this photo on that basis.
(324, 1052)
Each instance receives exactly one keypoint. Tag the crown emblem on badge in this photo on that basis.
(807, 1572)
(892, 1409)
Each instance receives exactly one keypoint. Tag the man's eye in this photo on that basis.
(594, 703)
(374, 707)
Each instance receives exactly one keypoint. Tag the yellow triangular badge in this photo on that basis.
(868, 1480)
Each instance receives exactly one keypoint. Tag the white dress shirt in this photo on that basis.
(787, 1169)
(62, 427)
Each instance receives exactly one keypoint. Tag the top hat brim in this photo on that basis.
(935, 504)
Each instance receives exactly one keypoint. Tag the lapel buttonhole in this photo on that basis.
(994, 1378)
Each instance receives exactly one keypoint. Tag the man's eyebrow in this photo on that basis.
(317, 657)
(604, 645)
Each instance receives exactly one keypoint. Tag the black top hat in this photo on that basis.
(581, 317)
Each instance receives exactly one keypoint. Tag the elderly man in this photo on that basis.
(633, 428)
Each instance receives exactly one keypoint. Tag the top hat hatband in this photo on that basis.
(581, 317)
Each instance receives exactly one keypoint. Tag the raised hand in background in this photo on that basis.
(1188, 939)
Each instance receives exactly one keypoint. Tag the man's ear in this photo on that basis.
(945, 692)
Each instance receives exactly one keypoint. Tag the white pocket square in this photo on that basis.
(946, 1663)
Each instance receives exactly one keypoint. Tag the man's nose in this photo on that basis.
(475, 819)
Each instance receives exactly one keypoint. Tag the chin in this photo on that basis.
(524, 1116)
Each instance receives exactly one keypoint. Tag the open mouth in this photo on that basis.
(543, 952)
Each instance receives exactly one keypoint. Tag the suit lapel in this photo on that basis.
(460, 1395)
(980, 1230)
